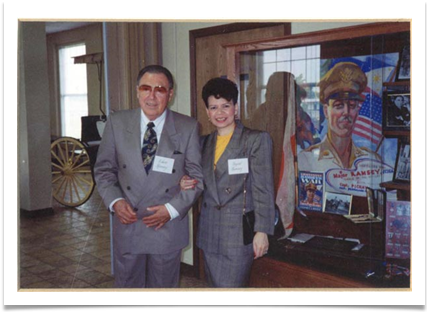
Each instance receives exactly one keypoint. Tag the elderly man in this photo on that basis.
(341, 96)
(142, 157)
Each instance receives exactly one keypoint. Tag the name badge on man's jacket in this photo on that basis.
(163, 164)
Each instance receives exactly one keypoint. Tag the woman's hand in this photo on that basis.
(260, 245)
(187, 183)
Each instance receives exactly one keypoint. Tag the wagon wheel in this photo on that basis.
(72, 179)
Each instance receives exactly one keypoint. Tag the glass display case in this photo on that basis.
(320, 96)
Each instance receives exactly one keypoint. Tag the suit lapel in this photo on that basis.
(208, 166)
(134, 135)
(169, 137)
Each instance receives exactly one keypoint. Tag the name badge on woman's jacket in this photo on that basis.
(238, 166)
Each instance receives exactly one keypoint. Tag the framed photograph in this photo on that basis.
(397, 110)
(370, 196)
(310, 190)
(381, 204)
(402, 172)
(403, 71)
(337, 203)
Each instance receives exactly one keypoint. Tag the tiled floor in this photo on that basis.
(71, 249)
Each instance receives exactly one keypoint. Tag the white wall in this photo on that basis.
(34, 160)
(303, 27)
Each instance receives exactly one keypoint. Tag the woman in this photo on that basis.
(237, 169)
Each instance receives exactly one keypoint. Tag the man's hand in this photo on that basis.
(159, 218)
(124, 212)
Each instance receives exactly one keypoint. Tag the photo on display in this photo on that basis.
(397, 112)
(381, 203)
(403, 71)
(370, 196)
(337, 203)
(403, 163)
(310, 190)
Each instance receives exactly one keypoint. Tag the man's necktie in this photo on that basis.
(150, 143)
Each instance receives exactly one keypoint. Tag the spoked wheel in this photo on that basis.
(72, 179)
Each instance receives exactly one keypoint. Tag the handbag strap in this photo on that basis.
(246, 136)
(244, 194)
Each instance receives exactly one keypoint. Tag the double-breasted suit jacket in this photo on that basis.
(119, 173)
(220, 225)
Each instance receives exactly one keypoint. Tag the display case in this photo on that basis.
(322, 98)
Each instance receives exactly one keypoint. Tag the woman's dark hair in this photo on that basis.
(220, 88)
(156, 69)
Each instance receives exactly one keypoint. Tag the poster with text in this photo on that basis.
(398, 229)
(347, 143)
(310, 190)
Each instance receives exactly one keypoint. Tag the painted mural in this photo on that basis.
(344, 140)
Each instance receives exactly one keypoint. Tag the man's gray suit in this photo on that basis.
(220, 225)
(119, 173)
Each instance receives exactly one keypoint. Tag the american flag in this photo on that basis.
(368, 124)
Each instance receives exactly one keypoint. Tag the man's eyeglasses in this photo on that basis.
(353, 104)
(157, 89)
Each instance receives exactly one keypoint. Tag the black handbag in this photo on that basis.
(248, 220)
(248, 227)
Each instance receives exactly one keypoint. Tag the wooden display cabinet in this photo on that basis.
(300, 265)
(270, 273)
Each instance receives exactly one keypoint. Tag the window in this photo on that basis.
(73, 90)
(303, 63)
